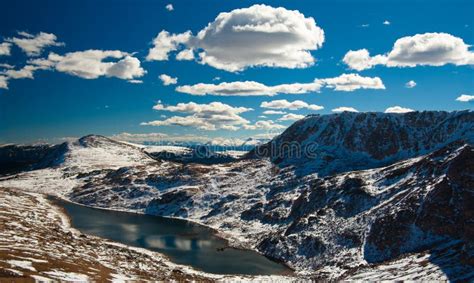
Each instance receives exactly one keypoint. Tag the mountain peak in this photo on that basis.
(328, 144)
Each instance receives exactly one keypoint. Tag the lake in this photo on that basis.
(183, 242)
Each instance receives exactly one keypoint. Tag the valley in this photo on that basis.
(385, 196)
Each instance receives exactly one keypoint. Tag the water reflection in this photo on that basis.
(182, 241)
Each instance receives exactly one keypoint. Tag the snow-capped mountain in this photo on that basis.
(388, 196)
(348, 141)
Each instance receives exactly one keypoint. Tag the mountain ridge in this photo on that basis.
(413, 212)
(353, 141)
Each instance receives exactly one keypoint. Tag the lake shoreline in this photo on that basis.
(59, 202)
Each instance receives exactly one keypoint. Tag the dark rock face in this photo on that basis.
(429, 215)
(345, 142)
(341, 217)
(14, 158)
(410, 206)
(198, 154)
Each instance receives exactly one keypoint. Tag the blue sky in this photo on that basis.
(60, 103)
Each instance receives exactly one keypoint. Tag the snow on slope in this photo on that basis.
(100, 152)
(332, 227)
(37, 242)
(329, 144)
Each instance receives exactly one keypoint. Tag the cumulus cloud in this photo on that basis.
(273, 112)
(294, 105)
(3, 82)
(168, 80)
(6, 66)
(344, 109)
(263, 125)
(428, 49)
(91, 64)
(351, 82)
(164, 43)
(291, 117)
(5, 49)
(345, 82)
(139, 138)
(159, 138)
(24, 73)
(169, 7)
(410, 84)
(248, 88)
(398, 109)
(259, 35)
(465, 98)
(386, 22)
(185, 55)
(33, 45)
(360, 59)
(212, 116)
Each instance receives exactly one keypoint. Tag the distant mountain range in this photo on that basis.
(336, 197)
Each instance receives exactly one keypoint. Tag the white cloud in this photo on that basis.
(259, 35)
(273, 112)
(150, 137)
(344, 109)
(291, 117)
(90, 64)
(126, 69)
(345, 82)
(135, 81)
(24, 73)
(164, 43)
(162, 138)
(268, 135)
(360, 59)
(41, 62)
(169, 7)
(398, 109)
(428, 49)
(351, 82)
(168, 80)
(264, 125)
(212, 116)
(465, 98)
(410, 84)
(27, 72)
(185, 55)
(219, 141)
(33, 45)
(285, 104)
(6, 66)
(386, 22)
(247, 88)
(159, 137)
(3, 82)
(213, 107)
(5, 49)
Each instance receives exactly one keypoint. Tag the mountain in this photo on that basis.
(199, 154)
(388, 196)
(16, 158)
(329, 144)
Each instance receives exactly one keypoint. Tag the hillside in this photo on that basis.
(392, 200)
(342, 142)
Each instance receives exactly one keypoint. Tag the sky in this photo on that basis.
(213, 70)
